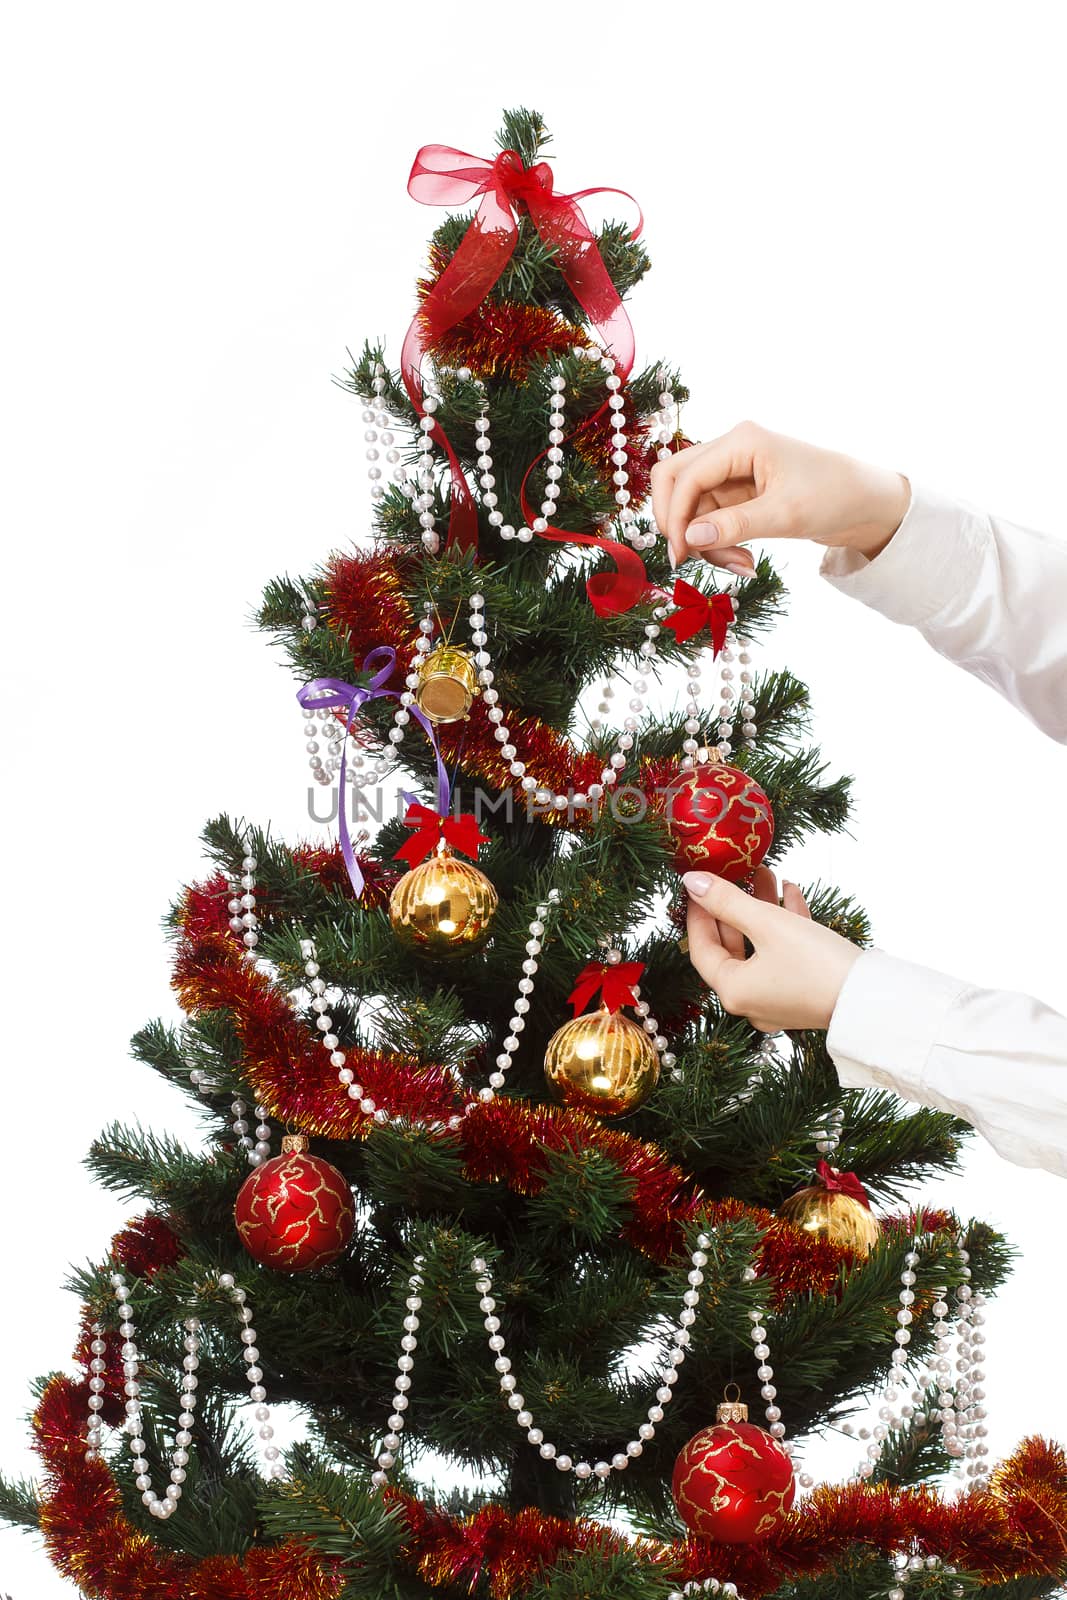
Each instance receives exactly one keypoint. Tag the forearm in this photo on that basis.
(996, 1059)
(986, 594)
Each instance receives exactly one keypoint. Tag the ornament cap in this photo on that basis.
(731, 1407)
(294, 1144)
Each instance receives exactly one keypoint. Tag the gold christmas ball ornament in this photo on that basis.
(448, 682)
(444, 906)
(832, 1215)
(601, 1062)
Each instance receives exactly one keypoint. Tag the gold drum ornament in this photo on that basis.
(447, 684)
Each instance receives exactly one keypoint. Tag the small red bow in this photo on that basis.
(461, 832)
(616, 982)
(697, 610)
(841, 1183)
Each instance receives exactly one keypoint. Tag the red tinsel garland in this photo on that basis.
(90, 1540)
(366, 602)
(203, 907)
(502, 1141)
(146, 1245)
(1016, 1528)
(284, 1064)
(500, 338)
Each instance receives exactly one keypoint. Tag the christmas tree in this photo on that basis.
(492, 1183)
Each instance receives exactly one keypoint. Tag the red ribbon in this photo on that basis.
(698, 610)
(442, 176)
(841, 1183)
(610, 593)
(616, 982)
(461, 832)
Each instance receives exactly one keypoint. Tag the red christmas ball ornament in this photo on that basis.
(719, 820)
(733, 1482)
(295, 1213)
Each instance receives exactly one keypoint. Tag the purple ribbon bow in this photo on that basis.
(333, 694)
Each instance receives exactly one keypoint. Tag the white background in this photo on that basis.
(855, 221)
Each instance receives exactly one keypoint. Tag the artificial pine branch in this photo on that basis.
(19, 1503)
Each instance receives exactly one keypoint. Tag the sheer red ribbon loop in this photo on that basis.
(461, 832)
(442, 176)
(841, 1183)
(616, 983)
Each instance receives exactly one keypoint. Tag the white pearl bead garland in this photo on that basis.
(484, 667)
(405, 1362)
(830, 1136)
(483, 661)
(310, 620)
(724, 732)
(908, 1566)
(680, 1338)
(694, 715)
(424, 497)
(242, 921)
(764, 1371)
(534, 946)
(378, 431)
(960, 1412)
(705, 1586)
(486, 480)
(242, 907)
(619, 439)
(971, 1429)
(693, 751)
(891, 1420)
(322, 728)
(664, 421)
(960, 1396)
(509, 751)
(257, 1150)
(164, 1506)
(660, 1043)
(329, 1040)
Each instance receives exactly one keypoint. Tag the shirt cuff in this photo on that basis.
(889, 1015)
(934, 557)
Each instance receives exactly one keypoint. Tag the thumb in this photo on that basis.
(763, 517)
(727, 903)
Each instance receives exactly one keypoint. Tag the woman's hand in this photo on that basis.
(795, 975)
(752, 484)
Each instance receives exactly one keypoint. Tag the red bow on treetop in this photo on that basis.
(697, 610)
(841, 1183)
(506, 189)
(617, 983)
(461, 832)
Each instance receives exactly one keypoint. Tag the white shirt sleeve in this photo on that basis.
(988, 595)
(993, 598)
(996, 1059)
